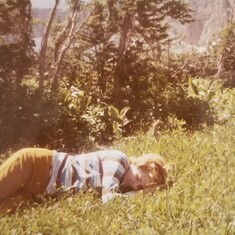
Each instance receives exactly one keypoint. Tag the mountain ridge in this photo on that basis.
(209, 17)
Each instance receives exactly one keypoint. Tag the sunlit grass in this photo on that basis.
(201, 200)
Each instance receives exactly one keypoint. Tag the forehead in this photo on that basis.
(152, 174)
(149, 175)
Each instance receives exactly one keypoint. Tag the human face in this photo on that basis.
(137, 178)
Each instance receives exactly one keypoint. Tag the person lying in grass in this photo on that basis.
(33, 172)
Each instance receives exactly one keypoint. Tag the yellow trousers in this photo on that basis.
(23, 177)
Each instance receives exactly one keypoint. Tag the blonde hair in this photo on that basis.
(153, 163)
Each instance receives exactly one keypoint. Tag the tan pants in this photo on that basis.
(24, 176)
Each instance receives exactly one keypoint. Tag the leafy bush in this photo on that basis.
(223, 50)
(197, 103)
(220, 100)
(176, 103)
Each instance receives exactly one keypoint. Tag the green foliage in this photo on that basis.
(81, 122)
(118, 120)
(200, 201)
(224, 52)
(197, 103)
(77, 122)
(192, 110)
(16, 53)
(220, 100)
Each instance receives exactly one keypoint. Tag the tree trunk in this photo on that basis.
(64, 41)
(126, 26)
(42, 57)
(220, 66)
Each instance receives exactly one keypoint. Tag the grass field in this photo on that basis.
(200, 201)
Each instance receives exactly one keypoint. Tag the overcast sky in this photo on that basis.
(46, 3)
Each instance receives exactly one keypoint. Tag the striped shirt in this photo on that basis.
(102, 170)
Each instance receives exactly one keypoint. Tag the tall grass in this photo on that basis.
(200, 201)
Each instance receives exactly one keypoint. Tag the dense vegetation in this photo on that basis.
(105, 76)
(106, 72)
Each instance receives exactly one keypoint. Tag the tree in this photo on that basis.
(144, 22)
(42, 56)
(98, 47)
(123, 28)
(62, 41)
(16, 45)
(16, 59)
(66, 37)
(224, 51)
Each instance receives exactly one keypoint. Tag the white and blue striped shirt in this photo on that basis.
(101, 170)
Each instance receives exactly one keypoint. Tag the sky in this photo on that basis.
(46, 3)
